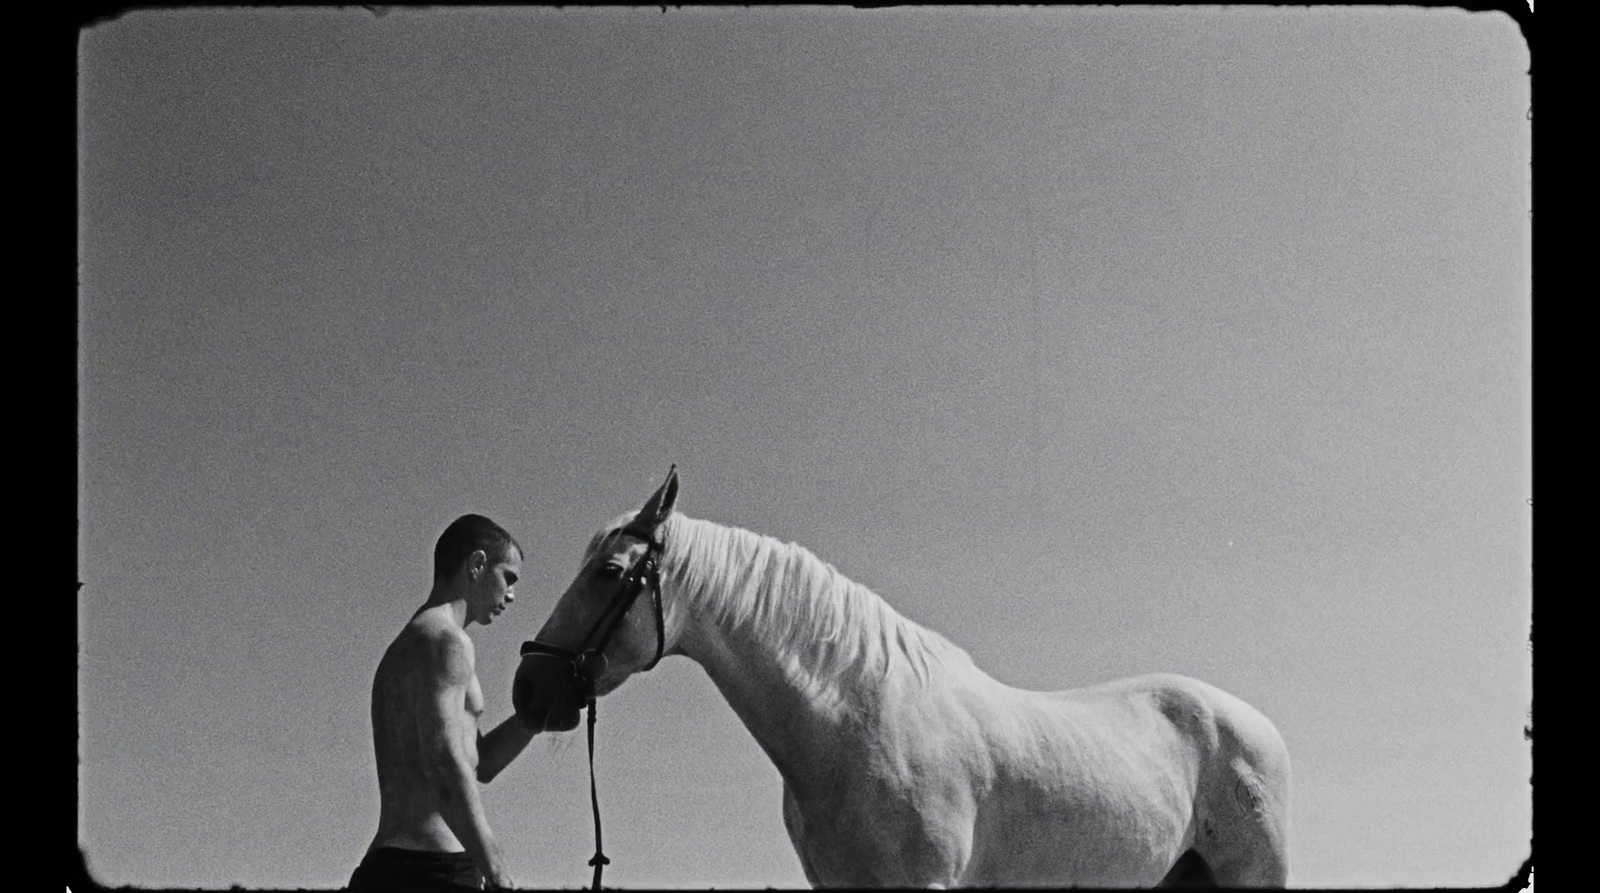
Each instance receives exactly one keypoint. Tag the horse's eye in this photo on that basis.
(610, 570)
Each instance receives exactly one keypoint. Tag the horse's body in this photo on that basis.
(906, 765)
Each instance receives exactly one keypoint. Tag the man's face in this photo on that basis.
(490, 590)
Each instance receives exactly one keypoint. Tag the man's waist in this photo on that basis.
(427, 834)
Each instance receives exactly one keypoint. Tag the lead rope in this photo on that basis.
(599, 861)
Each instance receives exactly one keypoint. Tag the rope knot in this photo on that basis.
(599, 859)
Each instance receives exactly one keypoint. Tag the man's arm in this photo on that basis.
(446, 731)
(497, 749)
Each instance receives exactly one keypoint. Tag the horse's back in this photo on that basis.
(1092, 786)
(1214, 719)
(1186, 763)
(1239, 747)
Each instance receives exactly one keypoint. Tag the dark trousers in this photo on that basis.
(398, 870)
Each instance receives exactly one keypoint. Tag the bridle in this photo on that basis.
(646, 572)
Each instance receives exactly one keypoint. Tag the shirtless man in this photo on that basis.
(426, 701)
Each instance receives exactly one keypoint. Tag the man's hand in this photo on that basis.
(543, 695)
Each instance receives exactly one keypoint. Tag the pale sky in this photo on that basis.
(1102, 341)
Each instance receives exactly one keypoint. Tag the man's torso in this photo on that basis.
(409, 812)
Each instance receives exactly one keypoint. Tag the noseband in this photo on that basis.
(646, 572)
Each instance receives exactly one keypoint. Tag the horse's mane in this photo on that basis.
(831, 625)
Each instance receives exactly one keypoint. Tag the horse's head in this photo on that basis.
(607, 626)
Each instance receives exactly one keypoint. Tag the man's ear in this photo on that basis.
(476, 562)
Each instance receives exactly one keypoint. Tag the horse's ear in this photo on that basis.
(656, 511)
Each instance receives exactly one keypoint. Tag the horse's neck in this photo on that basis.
(787, 718)
(796, 703)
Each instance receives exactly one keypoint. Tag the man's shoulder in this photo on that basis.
(433, 639)
(435, 624)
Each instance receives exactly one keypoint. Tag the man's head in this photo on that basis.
(483, 559)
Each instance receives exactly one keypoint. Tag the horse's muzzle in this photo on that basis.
(548, 693)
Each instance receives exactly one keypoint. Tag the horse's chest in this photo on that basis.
(887, 828)
(879, 846)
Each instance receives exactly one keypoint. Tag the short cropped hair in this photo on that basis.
(466, 535)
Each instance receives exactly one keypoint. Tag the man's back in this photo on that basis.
(414, 670)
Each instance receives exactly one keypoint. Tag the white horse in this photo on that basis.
(904, 764)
